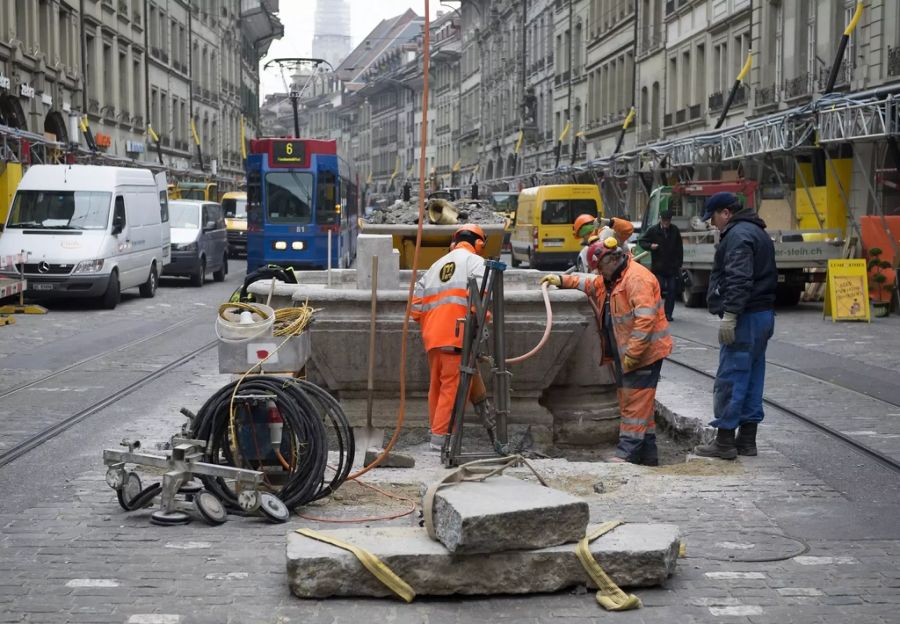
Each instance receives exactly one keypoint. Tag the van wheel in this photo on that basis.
(148, 288)
(198, 278)
(110, 299)
(532, 261)
(219, 275)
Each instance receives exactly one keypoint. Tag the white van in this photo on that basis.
(88, 231)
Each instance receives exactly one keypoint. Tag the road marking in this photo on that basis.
(86, 582)
(154, 618)
(740, 610)
(826, 560)
(188, 545)
(860, 433)
(735, 575)
(799, 591)
(226, 576)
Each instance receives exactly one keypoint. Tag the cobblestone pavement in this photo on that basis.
(784, 537)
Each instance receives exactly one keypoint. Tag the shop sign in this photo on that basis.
(102, 140)
(134, 147)
(26, 91)
(46, 99)
(4, 82)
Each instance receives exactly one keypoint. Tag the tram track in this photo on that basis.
(32, 442)
(868, 451)
(95, 357)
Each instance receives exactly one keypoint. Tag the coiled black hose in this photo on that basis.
(308, 413)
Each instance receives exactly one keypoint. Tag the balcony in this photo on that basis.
(670, 6)
(797, 87)
(741, 96)
(667, 120)
(136, 17)
(681, 116)
(695, 111)
(893, 68)
(716, 101)
(651, 38)
(93, 106)
(123, 9)
(766, 96)
(843, 76)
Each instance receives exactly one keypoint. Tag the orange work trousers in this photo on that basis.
(444, 366)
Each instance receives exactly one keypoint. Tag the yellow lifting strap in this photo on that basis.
(609, 595)
(371, 563)
(477, 470)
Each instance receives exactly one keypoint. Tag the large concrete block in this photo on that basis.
(634, 555)
(504, 513)
(369, 245)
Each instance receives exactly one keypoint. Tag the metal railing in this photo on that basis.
(798, 86)
(766, 95)
(695, 111)
(680, 116)
(893, 65)
(716, 101)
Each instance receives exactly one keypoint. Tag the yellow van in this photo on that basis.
(542, 233)
(234, 204)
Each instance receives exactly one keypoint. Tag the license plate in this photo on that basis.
(553, 243)
(39, 286)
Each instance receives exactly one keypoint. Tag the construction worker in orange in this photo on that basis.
(440, 299)
(635, 338)
(589, 228)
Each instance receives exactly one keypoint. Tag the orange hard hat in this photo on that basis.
(472, 234)
(601, 248)
(581, 221)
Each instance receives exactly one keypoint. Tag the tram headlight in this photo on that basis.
(279, 245)
(297, 245)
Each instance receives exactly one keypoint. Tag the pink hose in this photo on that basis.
(546, 335)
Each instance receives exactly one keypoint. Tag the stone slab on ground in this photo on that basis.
(634, 555)
(393, 460)
(685, 411)
(504, 513)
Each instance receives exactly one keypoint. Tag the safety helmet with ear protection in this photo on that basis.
(598, 250)
(472, 234)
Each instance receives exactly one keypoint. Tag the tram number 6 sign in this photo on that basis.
(288, 152)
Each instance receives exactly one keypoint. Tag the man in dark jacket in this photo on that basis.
(742, 292)
(663, 240)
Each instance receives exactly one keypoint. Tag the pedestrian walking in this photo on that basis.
(742, 293)
(635, 339)
(440, 299)
(663, 240)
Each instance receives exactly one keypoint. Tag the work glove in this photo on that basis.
(629, 363)
(727, 327)
(553, 280)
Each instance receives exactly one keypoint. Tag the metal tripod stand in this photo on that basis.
(481, 299)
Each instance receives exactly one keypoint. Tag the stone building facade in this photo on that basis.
(130, 64)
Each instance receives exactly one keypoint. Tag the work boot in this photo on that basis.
(437, 441)
(722, 447)
(746, 439)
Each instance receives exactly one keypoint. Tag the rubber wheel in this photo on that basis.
(191, 487)
(219, 275)
(145, 497)
(164, 518)
(110, 299)
(197, 279)
(210, 508)
(129, 490)
(692, 299)
(271, 507)
(148, 288)
(532, 261)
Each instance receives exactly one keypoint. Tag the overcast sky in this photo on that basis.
(298, 19)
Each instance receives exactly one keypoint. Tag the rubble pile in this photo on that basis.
(407, 213)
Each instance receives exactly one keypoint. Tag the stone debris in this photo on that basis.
(393, 459)
(505, 513)
(407, 213)
(633, 555)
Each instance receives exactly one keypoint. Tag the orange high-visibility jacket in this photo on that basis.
(638, 319)
(441, 296)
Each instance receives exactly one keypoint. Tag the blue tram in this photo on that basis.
(300, 194)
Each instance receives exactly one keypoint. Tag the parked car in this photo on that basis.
(89, 231)
(199, 241)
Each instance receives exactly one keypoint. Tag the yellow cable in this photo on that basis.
(373, 564)
(609, 595)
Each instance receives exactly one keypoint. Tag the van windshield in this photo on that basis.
(235, 208)
(184, 216)
(60, 210)
(564, 211)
